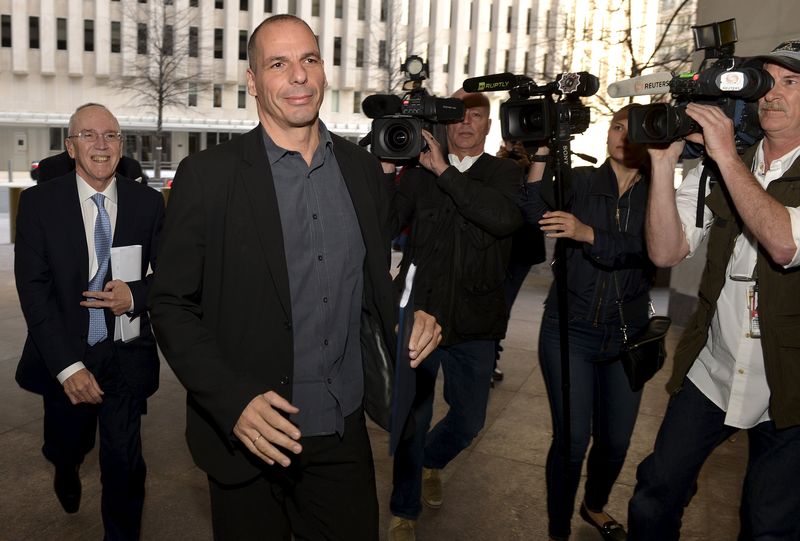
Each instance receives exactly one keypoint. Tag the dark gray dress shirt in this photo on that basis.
(324, 257)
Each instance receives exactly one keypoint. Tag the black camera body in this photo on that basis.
(541, 118)
(397, 125)
(731, 83)
(537, 119)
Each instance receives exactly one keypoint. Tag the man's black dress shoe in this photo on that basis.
(67, 485)
(611, 530)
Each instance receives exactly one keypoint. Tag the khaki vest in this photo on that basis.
(779, 301)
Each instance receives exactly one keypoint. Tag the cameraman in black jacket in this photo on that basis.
(462, 213)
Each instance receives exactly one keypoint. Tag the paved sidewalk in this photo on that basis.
(494, 491)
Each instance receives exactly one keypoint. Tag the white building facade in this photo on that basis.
(58, 54)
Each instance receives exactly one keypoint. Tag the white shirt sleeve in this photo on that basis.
(686, 200)
(68, 371)
(794, 217)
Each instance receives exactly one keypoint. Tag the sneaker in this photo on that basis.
(431, 488)
(402, 529)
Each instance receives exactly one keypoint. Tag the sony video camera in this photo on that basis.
(731, 83)
(538, 119)
(398, 122)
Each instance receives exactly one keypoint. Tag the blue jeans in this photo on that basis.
(467, 371)
(692, 428)
(602, 406)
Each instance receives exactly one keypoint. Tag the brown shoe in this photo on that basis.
(402, 529)
(431, 488)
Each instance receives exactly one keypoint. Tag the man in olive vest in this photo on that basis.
(737, 365)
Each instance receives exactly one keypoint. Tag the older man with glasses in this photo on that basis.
(65, 231)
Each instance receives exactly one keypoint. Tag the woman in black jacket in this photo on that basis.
(606, 262)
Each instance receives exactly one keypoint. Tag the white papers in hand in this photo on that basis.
(126, 265)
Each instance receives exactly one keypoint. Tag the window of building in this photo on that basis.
(33, 32)
(216, 138)
(194, 142)
(382, 53)
(507, 61)
(292, 9)
(242, 97)
(446, 65)
(362, 10)
(243, 5)
(192, 95)
(315, 8)
(219, 4)
(384, 10)
(194, 3)
(217, 95)
(337, 9)
(357, 102)
(61, 34)
(487, 59)
(491, 17)
(334, 101)
(242, 44)
(57, 136)
(116, 36)
(337, 51)
(471, 14)
(141, 38)
(88, 35)
(466, 59)
(194, 41)
(508, 20)
(528, 27)
(5, 31)
(527, 59)
(169, 39)
(360, 52)
(142, 1)
(218, 43)
(268, 6)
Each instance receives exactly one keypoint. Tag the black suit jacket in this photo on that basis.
(220, 301)
(52, 268)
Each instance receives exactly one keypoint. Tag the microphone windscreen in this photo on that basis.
(655, 83)
(490, 83)
(379, 105)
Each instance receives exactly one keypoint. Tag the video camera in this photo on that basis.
(398, 122)
(731, 83)
(538, 119)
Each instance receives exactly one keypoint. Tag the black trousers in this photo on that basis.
(69, 434)
(328, 492)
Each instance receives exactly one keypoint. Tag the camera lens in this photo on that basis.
(397, 137)
(656, 124)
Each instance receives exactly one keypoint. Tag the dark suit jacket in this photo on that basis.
(220, 301)
(60, 164)
(52, 269)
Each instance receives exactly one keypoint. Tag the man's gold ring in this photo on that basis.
(257, 438)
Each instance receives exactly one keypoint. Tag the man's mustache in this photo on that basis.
(773, 107)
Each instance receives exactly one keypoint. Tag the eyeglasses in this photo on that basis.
(90, 136)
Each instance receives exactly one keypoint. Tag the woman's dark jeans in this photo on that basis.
(602, 406)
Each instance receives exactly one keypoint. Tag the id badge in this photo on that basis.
(752, 307)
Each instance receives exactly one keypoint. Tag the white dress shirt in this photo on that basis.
(89, 212)
(730, 368)
(466, 163)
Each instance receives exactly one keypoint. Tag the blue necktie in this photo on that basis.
(102, 248)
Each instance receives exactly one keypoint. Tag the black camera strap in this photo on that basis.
(707, 176)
